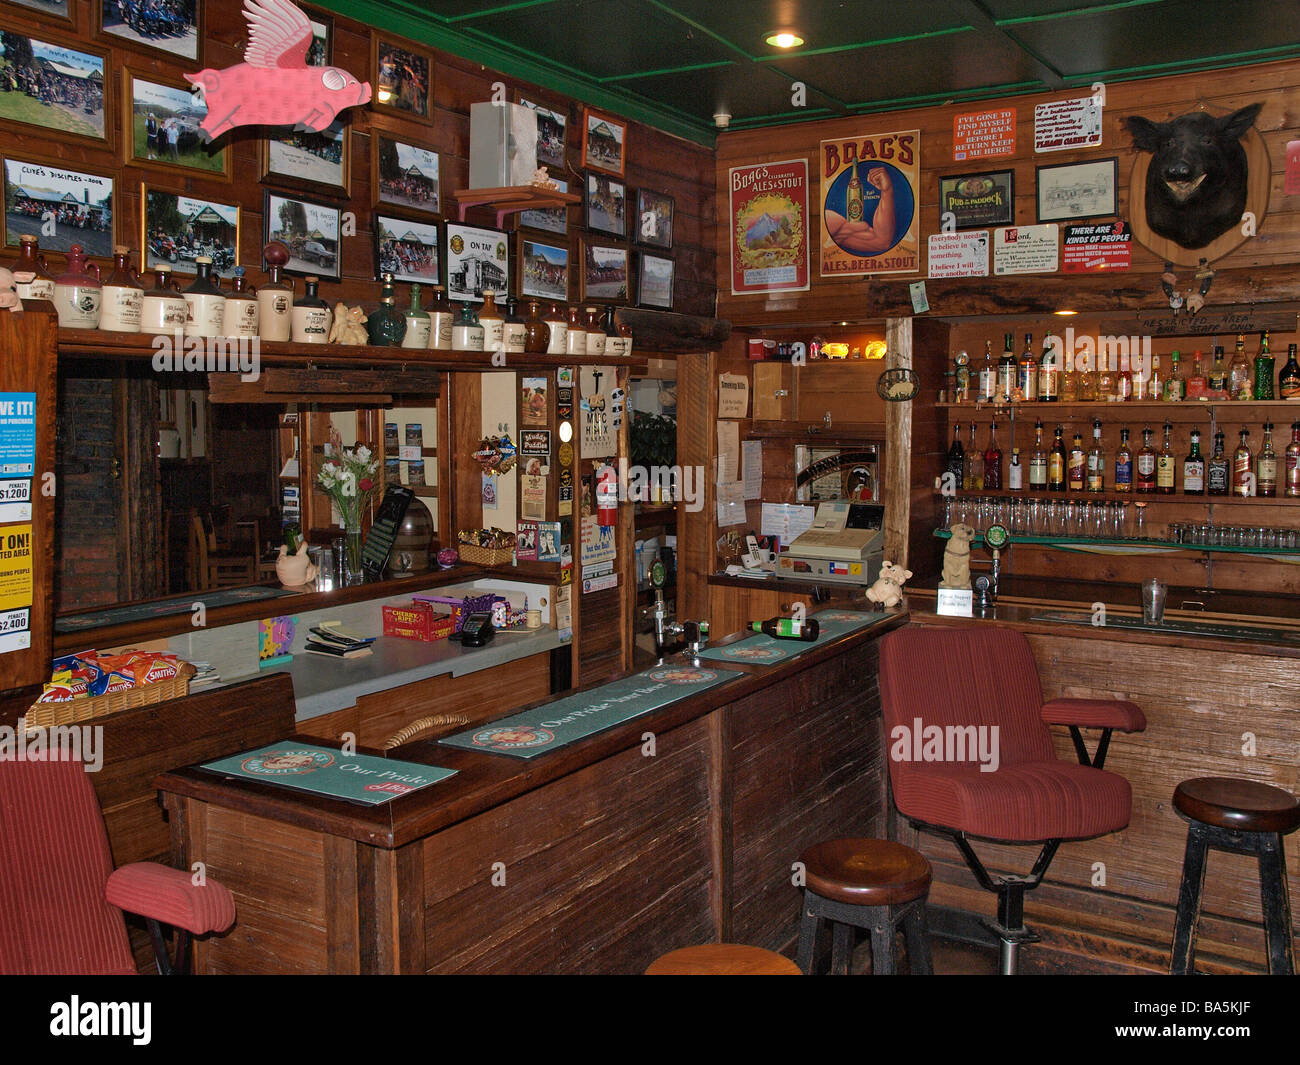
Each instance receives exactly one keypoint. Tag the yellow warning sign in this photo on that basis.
(15, 566)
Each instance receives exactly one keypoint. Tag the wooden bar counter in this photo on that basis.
(677, 827)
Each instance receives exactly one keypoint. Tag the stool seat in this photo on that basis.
(1238, 805)
(723, 959)
(866, 872)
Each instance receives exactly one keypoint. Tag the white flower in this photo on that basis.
(348, 484)
(363, 454)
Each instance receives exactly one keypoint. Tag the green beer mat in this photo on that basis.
(763, 650)
(359, 778)
(546, 728)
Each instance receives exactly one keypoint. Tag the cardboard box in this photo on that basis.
(417, 621)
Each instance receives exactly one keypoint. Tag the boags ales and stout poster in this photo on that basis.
(869, 204)
(769, 227)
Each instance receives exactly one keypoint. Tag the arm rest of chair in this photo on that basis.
(169, 895)
(1095, 713)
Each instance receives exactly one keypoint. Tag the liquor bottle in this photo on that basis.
(1049, 372)
(1194, 468)
(988, 379)
(1038, 461)
(1146, 464)
(1198, 385)
(1175, 385)
(1166, 463)
(1016, 472)
(559, 323)
(1006, 371)
(974, 464)
(1142, 378)
(386, 326)
(853, 198)
(206, 315)
(1263, 389)
(441, 320)
(163, 309)
(1077, 465)
(957, 458)
(1293, 460)
(514, 334)
(575, 340)
(1056, 464)
(1105, 378)
(1027, 371)
(595, 332)
(1217, 383)
(1088, 380)
(243, 312)
(625, 331)
(1266, 465)
(32, 280)
(960, 377)
(1069, 377)
(1156, 382)
(275, 297)
(312, 316)
(1240, 385)
(123, 296)
(1288, 380)
(993, 461)
(77, 293)
(466, 333)
(1096, 461)
(614, 343)
(418, 325)
(1124, 463)
(1243, 468)
(537, 338)
(806, 630)
(1217, 472)
(493, 325)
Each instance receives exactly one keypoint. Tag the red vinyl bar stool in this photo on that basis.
(1243, 817)
(722, 959)
(873, 884)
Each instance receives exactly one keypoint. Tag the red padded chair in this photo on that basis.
(986, 677)
(61, 901)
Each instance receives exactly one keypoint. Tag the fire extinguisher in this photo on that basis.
(607, 495)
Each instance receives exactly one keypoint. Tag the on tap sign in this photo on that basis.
(869, 204)
(17, 476)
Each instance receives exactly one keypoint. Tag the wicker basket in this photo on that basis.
(485, 556)
(45, 715)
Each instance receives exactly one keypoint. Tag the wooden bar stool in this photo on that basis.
(722, 959)
(1244, 817)
(873, 884)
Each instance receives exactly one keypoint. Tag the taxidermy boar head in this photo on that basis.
(1196, 184)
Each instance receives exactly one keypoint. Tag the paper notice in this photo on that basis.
(728, 452)
(731, 504)
(752, 453)
(1025, 249)
(785, 521)
(959, 254)
(733, 396)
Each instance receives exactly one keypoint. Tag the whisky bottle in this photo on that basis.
(1038, 461)
(1096, 461)
(441, 320)
(1198, 385)
(514, 334)
(1263, 389)
(1288, 380)
(493, 323)
(1239, 375)
(1155, 383)
(1165, 465)
(418, 325)
(1016, 472)
(386, 326)
(1124, 463)
(988, 379)
(1078, 465)
(1056, 463)
(1194, 468)
(1006, 371)
(123, 296)
(311, 316)
(1266, 465)
(1124, 378)
(1069, 378)
(974, 463)
(956, 458)
(1027, 372)
(1292, 459)
(596, 338)
(206, 314)
(1175, 387)
(1243, 471)
(1217, 471)
(1217, 383)
(993, 461)
(466, 333)
(32, 281)
(1146, 464)
(1049, 372)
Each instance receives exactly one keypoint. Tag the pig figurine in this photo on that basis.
(888, 589)
(8, 297)
(1196, 183)
(274, 86)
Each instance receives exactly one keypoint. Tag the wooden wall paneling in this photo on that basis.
(897, 465)
(696, 438)
(625, 536)
(464, 403)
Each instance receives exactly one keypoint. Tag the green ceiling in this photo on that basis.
(675, 63)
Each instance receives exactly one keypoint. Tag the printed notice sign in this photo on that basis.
(733, 395)
(959, 254)
(15, 499)
(1104, 246)
(1064, 124)
(15, 630)
(769, 227)
(984, 134)
(17, 434)
(15, 567)
(1025, 249)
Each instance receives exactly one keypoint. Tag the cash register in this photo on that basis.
(844, 545)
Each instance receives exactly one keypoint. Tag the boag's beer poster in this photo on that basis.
(769, 227)
(869, 204)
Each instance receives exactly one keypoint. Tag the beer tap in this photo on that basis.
(664, 629)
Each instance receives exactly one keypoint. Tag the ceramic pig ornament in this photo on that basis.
(274, 86)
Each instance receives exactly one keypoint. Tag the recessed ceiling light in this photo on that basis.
(1064, 314)
(784, 39)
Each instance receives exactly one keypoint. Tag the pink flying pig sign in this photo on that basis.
(274, 86)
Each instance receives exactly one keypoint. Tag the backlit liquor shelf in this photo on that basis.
(1135, 546)
(1183, 411)
(1146, 498)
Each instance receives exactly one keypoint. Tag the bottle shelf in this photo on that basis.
(1147, 498)
(1195, 408)
(1134, 546)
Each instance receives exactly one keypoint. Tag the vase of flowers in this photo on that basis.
(347, 476)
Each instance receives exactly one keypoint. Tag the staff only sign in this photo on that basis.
(869, 204)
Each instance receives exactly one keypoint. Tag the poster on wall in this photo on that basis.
(769, 227)
(1060, 125)
(869, 204)
(984, 134)
(959, 254)
(1093, 248)
(1025, 249)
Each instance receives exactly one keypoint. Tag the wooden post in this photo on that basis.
(897, 488)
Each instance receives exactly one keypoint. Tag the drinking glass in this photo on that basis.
(1153, 601)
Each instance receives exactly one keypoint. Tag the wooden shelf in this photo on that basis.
(1127, 497)
(512, 198)
(1188, 410)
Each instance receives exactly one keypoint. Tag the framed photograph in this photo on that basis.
(604, 204)
(653, 224)
(61, 207)
(654, 281)
(477, 259)
(604, 143)
(979, 201)
(403, 79)
(320, 53)
(172, 26)
(549, 219)
(543, 270)
(404, 175)
(162, 124)
(551, 126)
(310, 230)
(319, 162)
(1072, 191)
(407, 250)
(604, 272)
(49, 85)
(48, 8)
(176, 229)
